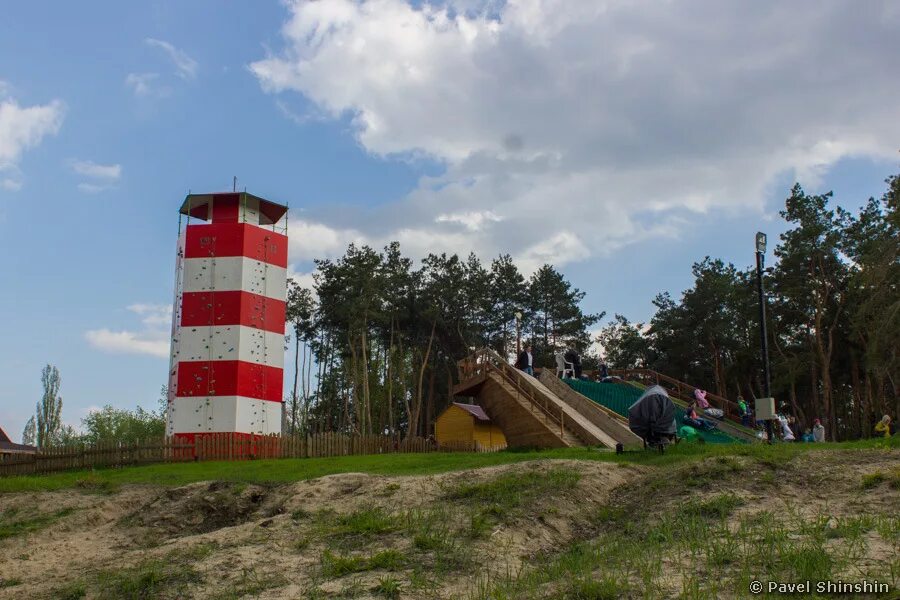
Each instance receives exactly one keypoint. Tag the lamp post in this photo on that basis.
(763, 338)
(518, 334)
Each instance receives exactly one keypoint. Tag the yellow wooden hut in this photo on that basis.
(468, 423)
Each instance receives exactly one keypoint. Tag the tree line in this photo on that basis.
(377, 339)
(833, 318)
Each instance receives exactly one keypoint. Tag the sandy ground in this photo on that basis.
(253, 531)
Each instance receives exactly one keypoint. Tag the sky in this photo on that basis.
(619, 140)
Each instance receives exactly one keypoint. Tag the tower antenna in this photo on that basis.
(234, 184)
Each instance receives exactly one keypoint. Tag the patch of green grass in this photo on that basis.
(850, 528)
(335, 565)
(151, 579)
(9, 582)
(596, 589)
(300, 514)
(872, 479)
(720, 506)
(479, 525)
(504, 494)
(94, 483)
(387, 560)
(389, 490)
(388, 587)
(806, 562)
(70, 591)
(300, 469)
(365, 523)
(11, 525)
(250, 583)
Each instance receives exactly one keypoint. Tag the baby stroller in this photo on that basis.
(652, 418)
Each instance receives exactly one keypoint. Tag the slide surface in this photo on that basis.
(619, 397)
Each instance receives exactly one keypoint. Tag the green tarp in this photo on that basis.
(619, 397)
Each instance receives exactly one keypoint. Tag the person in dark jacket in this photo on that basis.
(574, 358)
(525, 362)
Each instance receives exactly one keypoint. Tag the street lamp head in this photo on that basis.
(761, 242)
(518, 316)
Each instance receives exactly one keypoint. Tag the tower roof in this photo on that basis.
(198, 206)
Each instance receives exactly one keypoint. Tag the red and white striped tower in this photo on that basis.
(227, 361)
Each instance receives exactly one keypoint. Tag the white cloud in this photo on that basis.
(153, 339)
(100, 177)
(314, 240)
(144, 85)
(587, 126)
(473, 220)
(97, 171)
(23, 128)
(127, 342)
(305, 279)
(12, 185)
(186, 67)
(154, 315)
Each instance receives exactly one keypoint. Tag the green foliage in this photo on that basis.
(387, 336)
(122, 425)
(12, 524)
(45, 428)
(625, 346)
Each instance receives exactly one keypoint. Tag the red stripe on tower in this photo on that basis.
(230, 378)
(232, 308)
(236, 239)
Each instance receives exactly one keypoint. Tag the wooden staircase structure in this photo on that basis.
(528, 413)
(610, 422)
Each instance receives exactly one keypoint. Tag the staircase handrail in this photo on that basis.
(469, 368)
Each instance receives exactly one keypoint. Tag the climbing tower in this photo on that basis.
(227, 354)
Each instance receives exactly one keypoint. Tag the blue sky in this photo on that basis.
(620, 144)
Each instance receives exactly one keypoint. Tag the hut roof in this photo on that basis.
(474, 410)
(7, 445)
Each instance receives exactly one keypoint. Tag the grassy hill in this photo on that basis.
(701, 521)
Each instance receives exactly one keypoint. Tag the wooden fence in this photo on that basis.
(220, 446)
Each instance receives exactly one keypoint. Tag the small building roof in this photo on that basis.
(197, 206)
(474, 410)
(7, 446)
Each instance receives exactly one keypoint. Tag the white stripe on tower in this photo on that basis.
(218, 414)
(232, 342)
(234, 273)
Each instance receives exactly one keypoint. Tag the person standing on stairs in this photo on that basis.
(525, 362)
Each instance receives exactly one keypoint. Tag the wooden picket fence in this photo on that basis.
(221, 446)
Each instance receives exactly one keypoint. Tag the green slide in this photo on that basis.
(618, 397)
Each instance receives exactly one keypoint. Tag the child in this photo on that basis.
(884, 426)
(744, 412)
